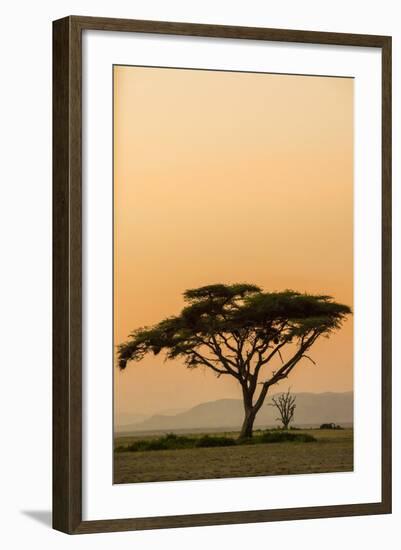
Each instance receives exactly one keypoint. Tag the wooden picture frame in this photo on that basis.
(67, 274)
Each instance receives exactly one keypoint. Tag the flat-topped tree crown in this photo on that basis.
(240, 331)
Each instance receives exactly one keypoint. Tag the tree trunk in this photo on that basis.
(247, 425)
(251, 410)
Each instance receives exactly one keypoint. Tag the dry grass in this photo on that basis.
(332, 452)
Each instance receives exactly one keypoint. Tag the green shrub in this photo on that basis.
(208, 441)
(172, 441)
(169, 441)
(171, 436)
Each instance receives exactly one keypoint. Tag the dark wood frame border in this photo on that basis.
(67, 276)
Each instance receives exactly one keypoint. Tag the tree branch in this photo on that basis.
(225, 340)
(207, 363)
(285, 370)
(225, 361)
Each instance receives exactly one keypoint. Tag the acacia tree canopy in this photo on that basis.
(239, 330)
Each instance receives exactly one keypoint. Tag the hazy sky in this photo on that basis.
(221, 178)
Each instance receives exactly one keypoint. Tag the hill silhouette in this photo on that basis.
(312, 409)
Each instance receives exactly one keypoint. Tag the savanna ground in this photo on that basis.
(331, 452)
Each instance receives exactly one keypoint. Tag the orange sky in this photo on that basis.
(226, 177)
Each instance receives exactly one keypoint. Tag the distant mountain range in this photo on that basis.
(311, 409)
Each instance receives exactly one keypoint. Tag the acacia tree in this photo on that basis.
(285, 403)
(240, 331)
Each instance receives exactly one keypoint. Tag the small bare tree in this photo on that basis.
(285, 403)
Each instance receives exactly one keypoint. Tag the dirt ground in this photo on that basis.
(332, 452)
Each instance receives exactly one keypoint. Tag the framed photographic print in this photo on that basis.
(222, 274)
